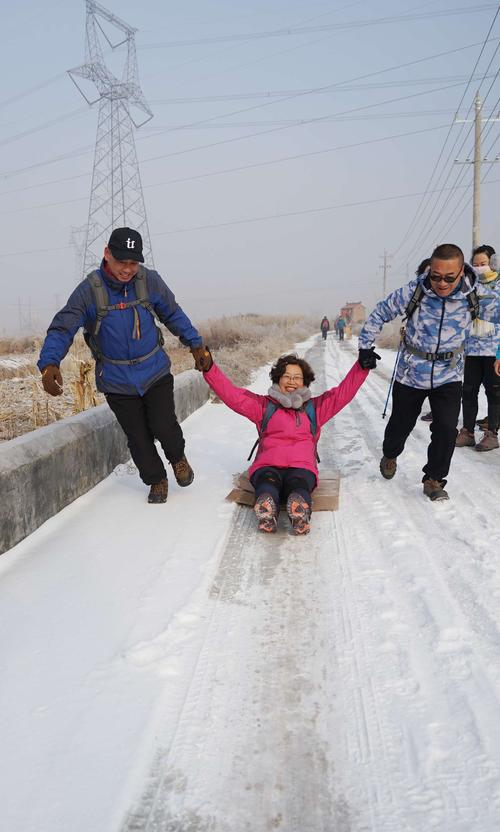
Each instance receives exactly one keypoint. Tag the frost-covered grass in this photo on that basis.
(240, 343)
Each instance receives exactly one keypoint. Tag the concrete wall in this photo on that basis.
(43, 471)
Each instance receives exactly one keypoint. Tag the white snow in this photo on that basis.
(167, 668)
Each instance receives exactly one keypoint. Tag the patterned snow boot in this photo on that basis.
(266, 512)
(489, 441)
(184, 474)
(299, 513)
(434, 490)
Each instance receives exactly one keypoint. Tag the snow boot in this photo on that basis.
(427, 417)
(158, 492)
(388, 467)
(266, 512)
(465, 439)
(299, 513)
(434, 490)
(184, 474)
(483, 423)
(489, 441)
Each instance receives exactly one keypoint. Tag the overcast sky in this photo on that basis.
(280, 234)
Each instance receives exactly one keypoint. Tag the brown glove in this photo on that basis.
(52, 380)
(202, 358)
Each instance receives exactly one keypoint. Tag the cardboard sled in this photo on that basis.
(324, 498)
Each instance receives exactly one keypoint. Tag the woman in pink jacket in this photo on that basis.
(285, 466)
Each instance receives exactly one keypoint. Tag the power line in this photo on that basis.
(239, 168)
(88, 148)
(248, 220)
(416, 217)
(301, 30)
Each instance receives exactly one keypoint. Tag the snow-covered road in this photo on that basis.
(166, 668)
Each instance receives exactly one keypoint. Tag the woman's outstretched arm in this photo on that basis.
(329, 403)
(238, 399)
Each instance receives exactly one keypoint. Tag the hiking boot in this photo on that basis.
(266, 512)
(434, 490)
(482, 423)
(427, 417)
(388, 467)
(299, 513)
(465, 439)
(158, 492)
(184, 474)
(489, 441)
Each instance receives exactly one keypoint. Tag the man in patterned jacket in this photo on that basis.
(431, 358)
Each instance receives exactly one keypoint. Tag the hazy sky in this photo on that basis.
(355, 186)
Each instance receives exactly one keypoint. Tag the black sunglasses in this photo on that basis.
(437, 278)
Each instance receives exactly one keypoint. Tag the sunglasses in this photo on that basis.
(437, 278)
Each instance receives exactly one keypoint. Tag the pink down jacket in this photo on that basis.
(287, 441)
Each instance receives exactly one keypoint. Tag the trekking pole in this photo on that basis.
(394, 372)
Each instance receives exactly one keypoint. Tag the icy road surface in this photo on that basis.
(167, 669)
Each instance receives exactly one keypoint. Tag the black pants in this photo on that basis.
(406, 406)
(280, 482)
(324, 333)
(146, 418)
(341, 334)
(479, 369)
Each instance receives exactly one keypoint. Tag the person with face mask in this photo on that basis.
(480, 351)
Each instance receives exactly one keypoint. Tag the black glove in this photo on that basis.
(368, 358)
(202, 358)
(52, 380)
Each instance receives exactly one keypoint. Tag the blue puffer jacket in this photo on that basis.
(115, 335)
(475, 342)
(438, 325)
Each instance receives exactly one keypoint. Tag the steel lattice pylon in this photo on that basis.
(116, 197)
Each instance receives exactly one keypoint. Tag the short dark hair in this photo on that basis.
(423, 265)
(488, 250)
(447, 251)
(279, 369)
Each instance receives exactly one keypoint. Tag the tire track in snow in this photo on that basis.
(458, 666)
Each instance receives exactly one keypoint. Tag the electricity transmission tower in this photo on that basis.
(116, 197)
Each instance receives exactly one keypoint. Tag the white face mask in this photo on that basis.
(481, 269)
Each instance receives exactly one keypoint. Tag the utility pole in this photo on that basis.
(385, 268)
(477, 161)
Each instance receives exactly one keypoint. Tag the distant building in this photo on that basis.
(355, 315)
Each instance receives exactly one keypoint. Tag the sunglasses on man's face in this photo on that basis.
(437, 278)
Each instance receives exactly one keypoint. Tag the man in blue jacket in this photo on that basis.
(431, 358)
(117, 305)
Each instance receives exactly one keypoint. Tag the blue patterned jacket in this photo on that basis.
(477, 344)
(438, 325)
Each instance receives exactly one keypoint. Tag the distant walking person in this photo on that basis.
(325, 326)
(341, 325)
(439, 306)
(480, 352)
(117, 305)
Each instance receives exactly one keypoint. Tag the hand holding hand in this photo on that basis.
(202, 358)
(52, 380)
(368, 358)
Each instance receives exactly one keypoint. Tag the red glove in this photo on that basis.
(52, 380)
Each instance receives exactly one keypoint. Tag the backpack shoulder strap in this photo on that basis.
(101, 298)
(414, 301)
(311, 413)
(271, 408)
(473, 301)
